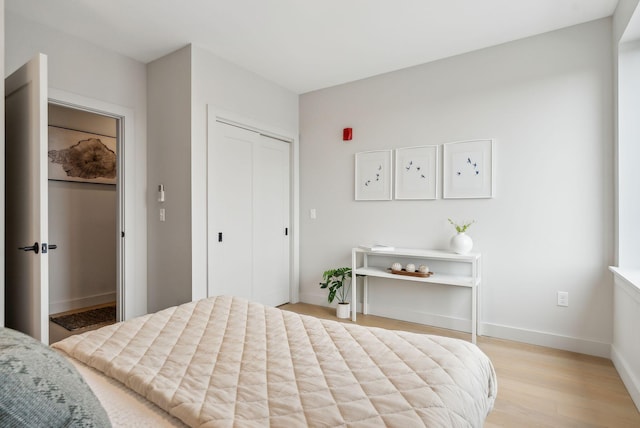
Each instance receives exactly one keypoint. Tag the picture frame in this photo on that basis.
(468, 169)
(81, 156)
(373, 175)
(416, 172)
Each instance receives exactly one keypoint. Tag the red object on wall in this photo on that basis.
(347, 134)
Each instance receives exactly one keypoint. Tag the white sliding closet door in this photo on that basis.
(271, 221)
(248, 215)
(230, 211)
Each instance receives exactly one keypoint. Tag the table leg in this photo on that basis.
(354, 287)
(365, 296)
(474, 313)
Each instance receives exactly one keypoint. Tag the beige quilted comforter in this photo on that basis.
(224, 361)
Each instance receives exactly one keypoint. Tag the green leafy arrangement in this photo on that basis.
(460, 228)
(338, 281)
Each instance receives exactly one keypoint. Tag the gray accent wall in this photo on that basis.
(169, 160)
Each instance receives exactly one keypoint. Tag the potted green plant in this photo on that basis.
(338, 282)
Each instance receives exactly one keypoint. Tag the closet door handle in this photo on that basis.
(35, 248)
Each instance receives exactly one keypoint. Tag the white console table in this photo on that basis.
(461, 270)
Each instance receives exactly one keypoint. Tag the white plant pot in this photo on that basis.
(461, 243)
(343, 310)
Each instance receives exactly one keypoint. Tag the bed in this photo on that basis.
(225, 361)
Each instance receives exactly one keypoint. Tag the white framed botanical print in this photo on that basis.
(468, 169)
(416, 172)
(373, 175)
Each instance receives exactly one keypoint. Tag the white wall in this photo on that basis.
(628, 152)
(626, 28)
(622, 16)
(547, 100)
(89, 71)
(183, 86)
(82, 222)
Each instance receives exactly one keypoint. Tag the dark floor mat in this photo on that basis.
(92, 317)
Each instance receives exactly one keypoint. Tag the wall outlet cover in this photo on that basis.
(563, 298)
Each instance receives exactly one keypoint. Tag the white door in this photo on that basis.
(248, 215)
(26, 252)
(230, 211)
(271, 221)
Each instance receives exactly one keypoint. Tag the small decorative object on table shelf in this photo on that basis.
(422, 271)
(377, 247)
(338, 281)
(461, 243)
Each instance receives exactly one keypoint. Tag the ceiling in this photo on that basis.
(304, 45)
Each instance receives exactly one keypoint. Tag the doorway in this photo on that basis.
(83, 222)
(27, 251)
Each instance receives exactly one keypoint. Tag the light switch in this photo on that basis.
(312, 213)
(162, 215)
(161, 193)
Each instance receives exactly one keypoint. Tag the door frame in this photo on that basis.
(124, 284)
(290, 136)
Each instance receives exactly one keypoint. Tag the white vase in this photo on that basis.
(343, 310)
(461, 243)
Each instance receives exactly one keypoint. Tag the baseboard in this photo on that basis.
(626, 374)
(402, 314)
(550, 340)
(567, 343)
(319, 299)
(441, 321)
(81, 302)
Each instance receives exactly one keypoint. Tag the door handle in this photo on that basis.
(45, 248)
(35, 248)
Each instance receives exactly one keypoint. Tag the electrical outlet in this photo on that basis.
(563, 298)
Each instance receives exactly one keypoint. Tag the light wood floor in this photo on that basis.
(537, 386)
